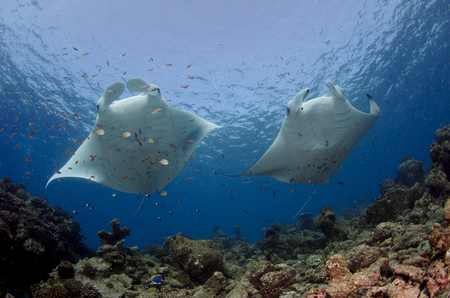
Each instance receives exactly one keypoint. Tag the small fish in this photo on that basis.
(87, 205)
(341, 183)
(192, 156)
(183, 86)
(75, 212)
(190, 141)
(17, 146)
(168, 64)
(125, 177)
(156, 111)
(164, 162)
(163, 193)
(232, 191)
(170, 212)
(100, 132)
(373, 143)
(291, 190)
(124, 73)
(126, 134)
(187, 179)
(245, 212)
(64, 48)
(197, 210)
(149, 69)
(74, 48)
(12, 135)
(409, 109)
(27, 173)
(157, 204)
(179, 202)
(111, 91)
(159, 218)
(149, 58)
(387, 101)
(399, 135)
(367, 159)
(168, 100)
(114, 195)
(122, 55)
(93, 75)
(150, 140)
(195, 171)
(57, 172)
(144, 87)
(84, 54)
(173, 146)
(190, 77)
(189, 66)
(223, 156)
(107, 62)
(63, 54)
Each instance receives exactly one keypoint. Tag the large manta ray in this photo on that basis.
(315, 138)
(139, 144)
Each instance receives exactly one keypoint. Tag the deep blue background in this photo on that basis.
(248, 59)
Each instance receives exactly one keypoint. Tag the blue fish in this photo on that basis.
(156, 279)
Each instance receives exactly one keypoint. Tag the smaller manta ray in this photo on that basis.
(315, 138)
(132, 148)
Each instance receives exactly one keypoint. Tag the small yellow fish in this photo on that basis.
(63, 54)
(163, 193)
(154, 89)
(83, 75)
(84, 54)
(122, 55)
(189, 66)
(100, 132)
(112, 91)
(168, 64)
(156, 111)
(149, 69)
(183, 86)
(164, 162)
(150, 140)
(189, 77)
(126, 134)
(145, 87)
(93, 75)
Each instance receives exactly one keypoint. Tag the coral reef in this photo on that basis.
(35, 237)
(116, 235)
(200, 259)
(396, 247)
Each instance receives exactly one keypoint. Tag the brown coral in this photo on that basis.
(116, 235)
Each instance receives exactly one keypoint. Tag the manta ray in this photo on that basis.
(139, 144)
(315, 138)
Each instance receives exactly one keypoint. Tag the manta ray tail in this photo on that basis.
(228, 175)
(307, 201)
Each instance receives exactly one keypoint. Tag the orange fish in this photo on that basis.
(84, 54)
(17, 146)
(26, 159)
(190, 141)
(183, 86)
(215, 172)
(192, 156)
(373, 143)
(137, 174)
(152, 156)
(195, 171)
(232, 191)
(187, 179)
(27, 173)
(149, 69)
(93, 75)
(109, 148)
(125, 177)
(57, 172)
(12, 135)
(291, 190)
(367, 159)
(263, 189)
(399, 135)
(168, 64)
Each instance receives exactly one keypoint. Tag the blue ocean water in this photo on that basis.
(249, 58)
